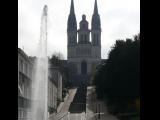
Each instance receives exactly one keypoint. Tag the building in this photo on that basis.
(83, 52)
(54, 89)
(25, 77)
(26, 72)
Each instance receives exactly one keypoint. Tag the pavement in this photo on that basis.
(94, 107)
(90, 104)
(62, 110)
(68, 101)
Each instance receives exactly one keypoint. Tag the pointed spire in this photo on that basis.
(96, 22)
(72, 23)
(95, 7)
(72, 7)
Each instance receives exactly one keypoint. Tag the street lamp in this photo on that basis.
(99, 117)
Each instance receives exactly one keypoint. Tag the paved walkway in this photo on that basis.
(78, 116)
(67, 102)
(64, 107)
(94, 106)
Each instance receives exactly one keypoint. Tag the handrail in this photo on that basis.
(64, 114)
(128, 114)
(54, 114)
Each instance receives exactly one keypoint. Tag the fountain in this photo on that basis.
(39, 104)
(39, 107)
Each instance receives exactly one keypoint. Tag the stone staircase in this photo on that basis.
(78, 104)
(77, 80)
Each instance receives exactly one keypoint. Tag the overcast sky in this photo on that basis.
(120, 19)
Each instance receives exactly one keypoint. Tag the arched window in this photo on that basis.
(83, 67)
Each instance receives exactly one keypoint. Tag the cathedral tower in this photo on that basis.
(96, 31)
(71, 31)
(83, 54)
(83, 32)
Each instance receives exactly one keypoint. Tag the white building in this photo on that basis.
(25, 77)
(54, 88)
(26, 72)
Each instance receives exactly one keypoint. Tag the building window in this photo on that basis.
(83, 67)
(21, 65)
(25, 90)
(94, 39)
(30, 72)
(19, 113)
(26, 69)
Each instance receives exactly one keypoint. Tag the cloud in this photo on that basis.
(119, 18)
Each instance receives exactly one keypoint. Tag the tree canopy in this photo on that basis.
(55, 61)
(118, 80)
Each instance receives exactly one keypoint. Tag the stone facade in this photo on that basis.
(26, 72)
(82, 51)
(25, 79)
(55, 87)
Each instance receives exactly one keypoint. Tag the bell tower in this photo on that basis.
(83, 45)
(83, 32)
(71, 31)
(96, 31)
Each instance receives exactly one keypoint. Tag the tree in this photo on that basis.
(54, 61)
(57, 61)
(117, 81)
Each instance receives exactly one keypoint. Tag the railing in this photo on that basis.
(68, 116)
(24, 118)
(127, 115)
(23, 102)
(24, 114)
(59, 116)
(62, 116)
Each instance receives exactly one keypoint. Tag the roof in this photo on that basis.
(24, 55)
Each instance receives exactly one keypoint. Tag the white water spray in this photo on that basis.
(39, 107)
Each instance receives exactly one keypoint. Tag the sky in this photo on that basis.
(120, 19)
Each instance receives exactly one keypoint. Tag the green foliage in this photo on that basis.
(64, 92)
(55, 61)
(135, 118)
(118, 79)
(51, 110)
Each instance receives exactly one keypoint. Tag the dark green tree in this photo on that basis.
(117, 81)
(55, 61)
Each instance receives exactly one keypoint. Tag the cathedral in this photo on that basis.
(83, 44)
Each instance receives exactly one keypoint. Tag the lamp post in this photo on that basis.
(99, 117)
(96, 107)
